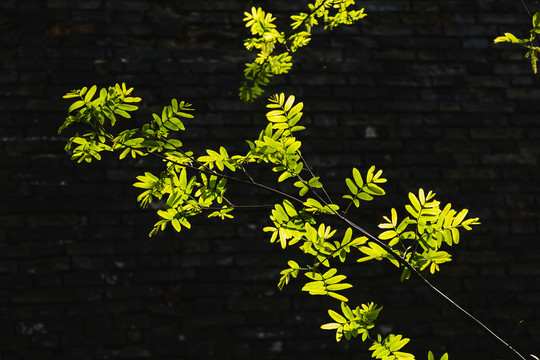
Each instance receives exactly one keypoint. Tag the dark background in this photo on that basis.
(417, 88)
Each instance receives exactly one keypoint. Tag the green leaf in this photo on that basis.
(334, 279)
(352, 187)
(500, 39)
(405, 274)
(357, 178)
(165, 214)
(512, 38)
(289, 103)
(347, 237)
(337, 296)
(369, 175)
(313, 275)
(313, 205)
(76, 105)
(338, 287)
(124, 153)
(347, 311)
(293, 148)
(315, 288)
(127, 107)
(122, 113)
(289, 208)
(536, 20)
(185, 223)
(328, 274)
(330, 326)
(365, 197)
(387, 235)
(276, 116)
(411, 211)
(284, 176)
(459, 217)
(337, 317)
(90, 94)
(415, 202)
(296, 110)
(71, 95)
(293, 264)
(374, 190)
(176, 224)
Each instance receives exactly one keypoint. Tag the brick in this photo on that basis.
(8, 266)
(247, 304)
(496, 133)
(529, 147)
(42, 296)
(52, 220)
(388, 5)
(159, 276)
(508, 159)
(410, 106)
(416, 88)
(46, 264)
(216, 319)
(476, 173)
(493, 107)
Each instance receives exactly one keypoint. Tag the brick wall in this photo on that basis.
(417, 89)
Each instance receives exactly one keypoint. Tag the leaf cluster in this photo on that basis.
(274, 48)
(185, 189)
(276, 143)
(190, 185)
(389, 348)
(364, 190)
(96, 113)
(532, 51)
(418, 237)
(351, 323)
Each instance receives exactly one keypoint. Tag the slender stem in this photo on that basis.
(432, 287)
(355, 226)
(286, 37)
(307, 17)
(426, 282)
(526, 8)
(225, 176)
(247, 174)
(306, 165)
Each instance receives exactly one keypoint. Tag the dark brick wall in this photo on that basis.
(417, 88)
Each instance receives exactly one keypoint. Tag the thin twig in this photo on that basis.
(433, 288)
(355, 226)
(286, 37)
(224, 176)
(526, 8)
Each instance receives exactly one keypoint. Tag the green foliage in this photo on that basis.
(419, 237)
(95, 113)
(432, 357)
(286, 274)
(388, 348)
(326, 284)
(532, 51)
(190, 185)
(274, 48)
(352, 323)
(289, 224)
(360, 190)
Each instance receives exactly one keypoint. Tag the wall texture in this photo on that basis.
(417, 88)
